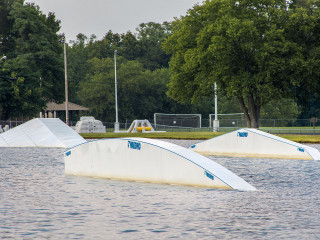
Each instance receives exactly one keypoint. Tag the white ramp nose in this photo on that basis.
(41, 132)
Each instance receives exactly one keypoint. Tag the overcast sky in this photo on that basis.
(99, 16)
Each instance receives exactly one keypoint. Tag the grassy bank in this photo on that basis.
(302, 138)
(193, 135)
(160, 135)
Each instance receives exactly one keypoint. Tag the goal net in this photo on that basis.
(226, 118)
(178, 120)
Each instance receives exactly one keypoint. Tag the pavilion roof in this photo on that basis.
(52, 106)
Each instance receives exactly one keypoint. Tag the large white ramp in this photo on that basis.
(249, 142)
(149, 160)
(41, 132)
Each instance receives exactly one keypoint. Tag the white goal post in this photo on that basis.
(178, 120)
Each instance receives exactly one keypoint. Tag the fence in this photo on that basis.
(275, 126)
(10, 123)
(265, 123)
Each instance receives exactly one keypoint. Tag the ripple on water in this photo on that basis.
(39, 202)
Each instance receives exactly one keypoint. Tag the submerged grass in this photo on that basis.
(193, 135)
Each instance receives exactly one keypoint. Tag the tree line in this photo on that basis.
(31, 67)
(262, 54)
(142, 75)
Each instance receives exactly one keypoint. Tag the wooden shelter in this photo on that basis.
(53, 108)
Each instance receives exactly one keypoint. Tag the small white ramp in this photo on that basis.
(255, 143)
(41, 132)
(149, 160)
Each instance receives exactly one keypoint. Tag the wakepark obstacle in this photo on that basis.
(41, 132)
(247, 142)
(149, 160)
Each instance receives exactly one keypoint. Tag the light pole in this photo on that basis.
(66, 82)
(116, 124)
(41, 94)
(216, 121)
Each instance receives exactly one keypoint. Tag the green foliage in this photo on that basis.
(130, 47)
(77, 58)
(281, 109)
(250, 48)
(144, 46)
(38, 51)
(23, 100)
(97, 92)
(275, 109)
(140, 92)
(142, 75)
(311, 107)
(259, 52)
(151, 35)
(34, 51)
(104, 48)
(228, 105)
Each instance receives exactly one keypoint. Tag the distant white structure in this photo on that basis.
(249, 142)
(89, 125)
(140, 126)
(6, 128)
(41, 132)
(149, 160)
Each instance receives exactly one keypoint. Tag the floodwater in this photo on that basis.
(37, 201)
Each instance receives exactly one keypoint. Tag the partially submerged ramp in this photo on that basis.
(249, 142)
(149, 160)
(41, 132)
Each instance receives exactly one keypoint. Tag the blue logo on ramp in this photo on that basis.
(242, 134)
(209, 175)
(134, 145)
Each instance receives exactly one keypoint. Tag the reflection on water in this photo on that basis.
(39, 202)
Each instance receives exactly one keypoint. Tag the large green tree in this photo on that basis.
(33, 71)
(256, 51)
(151, 35)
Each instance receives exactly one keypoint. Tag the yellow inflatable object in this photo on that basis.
(140, 129)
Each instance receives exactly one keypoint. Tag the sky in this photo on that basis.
(99, 16)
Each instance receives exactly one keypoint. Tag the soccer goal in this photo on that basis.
(178, 120)
(223, 116)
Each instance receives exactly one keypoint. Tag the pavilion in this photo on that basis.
(53, 108)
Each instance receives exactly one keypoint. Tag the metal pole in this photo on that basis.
(215, 102)
(116, 124)
(216, 121)
(40, 87)
(66, 82)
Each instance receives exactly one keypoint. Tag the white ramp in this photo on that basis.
(255, 143)
(41, 132)
(149, 160)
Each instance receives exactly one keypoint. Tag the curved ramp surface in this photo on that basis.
(255, 143)
(41, 132)
(149, 160)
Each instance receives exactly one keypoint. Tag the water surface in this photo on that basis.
(39, 202)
